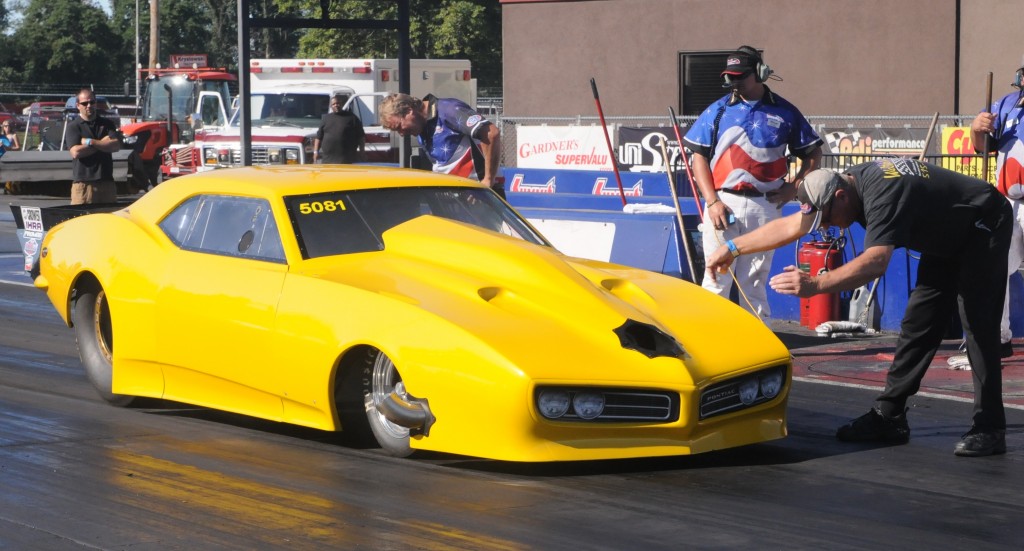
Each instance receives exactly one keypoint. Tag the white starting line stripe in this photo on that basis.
(12, 269)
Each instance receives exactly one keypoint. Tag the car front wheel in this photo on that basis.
(384, 378)
(95, 335)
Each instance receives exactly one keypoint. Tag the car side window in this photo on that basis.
(226, 225)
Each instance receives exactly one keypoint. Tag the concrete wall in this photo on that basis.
(871, 57)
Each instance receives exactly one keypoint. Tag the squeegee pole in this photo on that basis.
(686, 161)
(608, 140)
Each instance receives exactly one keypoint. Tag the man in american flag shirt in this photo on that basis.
(740, 146)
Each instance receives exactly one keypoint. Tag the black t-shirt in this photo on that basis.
(340, 135)
(921, 206)
(98, 166)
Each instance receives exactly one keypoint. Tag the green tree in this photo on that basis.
(65, 41)
(450, 29)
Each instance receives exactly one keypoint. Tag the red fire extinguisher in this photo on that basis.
(816, 258)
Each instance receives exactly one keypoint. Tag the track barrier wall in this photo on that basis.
(582, 214)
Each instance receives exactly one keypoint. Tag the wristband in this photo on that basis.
(713, 203)
(88, 142)
(732, 248)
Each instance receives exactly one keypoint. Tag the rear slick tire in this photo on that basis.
(94, 332)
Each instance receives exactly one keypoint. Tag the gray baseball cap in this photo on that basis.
(816, 192)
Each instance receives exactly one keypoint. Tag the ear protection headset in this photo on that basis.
(761, 70)
(1018, 79)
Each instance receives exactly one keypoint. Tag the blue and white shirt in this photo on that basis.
(1009, 142)
(750, 148)
(449, 137)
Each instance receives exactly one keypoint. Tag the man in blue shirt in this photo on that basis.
(741, 145)
(455, 138)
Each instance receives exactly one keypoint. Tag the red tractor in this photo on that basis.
(171, 99)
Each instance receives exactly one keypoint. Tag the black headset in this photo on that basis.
(761, 70)
(1018, 79)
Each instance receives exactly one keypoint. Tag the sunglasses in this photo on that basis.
(86, 103)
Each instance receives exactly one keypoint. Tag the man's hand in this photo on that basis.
(984, 123)
(718, 262)
(793, 281)
(783, 195)
(718, 215)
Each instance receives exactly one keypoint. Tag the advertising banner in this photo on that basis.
(188, 60)
(640, 149)
(563, 147)
(863, 144)
(956, 140)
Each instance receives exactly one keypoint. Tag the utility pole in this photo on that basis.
(154, 33)
(138, 72)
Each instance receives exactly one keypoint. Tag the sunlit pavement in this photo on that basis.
(862, 362)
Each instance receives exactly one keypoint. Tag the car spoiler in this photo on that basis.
(34, 222)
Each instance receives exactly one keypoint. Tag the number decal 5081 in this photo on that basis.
(317, 207)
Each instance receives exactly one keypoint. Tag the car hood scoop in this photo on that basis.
(648, 340)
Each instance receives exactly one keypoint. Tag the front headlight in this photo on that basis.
(588, 405)
(748, 391)
(291, 156)
(274, 155)
(209, 156)
(771, 383)
(553, 403)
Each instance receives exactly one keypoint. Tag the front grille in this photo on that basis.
(259, 155)
(725, 397)
(626, 405)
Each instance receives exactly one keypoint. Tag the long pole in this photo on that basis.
(608, 140)
(679, 210)
(988, 105)
(686, 161)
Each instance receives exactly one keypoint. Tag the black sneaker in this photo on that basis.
(875, 427)
(978, 442)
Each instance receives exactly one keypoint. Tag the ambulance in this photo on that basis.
(290, 96)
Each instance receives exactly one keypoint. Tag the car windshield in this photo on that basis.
(346, 222)
(295, 110)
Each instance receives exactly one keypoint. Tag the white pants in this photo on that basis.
(751, 269)
(1015, 258)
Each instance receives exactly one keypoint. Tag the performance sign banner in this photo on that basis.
(563, 147)
(859, 145)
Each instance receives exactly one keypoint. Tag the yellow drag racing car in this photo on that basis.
(411, 310)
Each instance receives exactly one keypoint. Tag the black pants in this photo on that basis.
(976, 281)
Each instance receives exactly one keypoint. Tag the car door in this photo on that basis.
(218, 301)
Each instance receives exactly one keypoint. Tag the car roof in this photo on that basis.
(277, 182)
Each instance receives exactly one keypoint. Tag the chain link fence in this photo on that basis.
(849, 140)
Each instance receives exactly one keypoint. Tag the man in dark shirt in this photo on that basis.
(962, 228)
(340, 138)
(91, 139)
